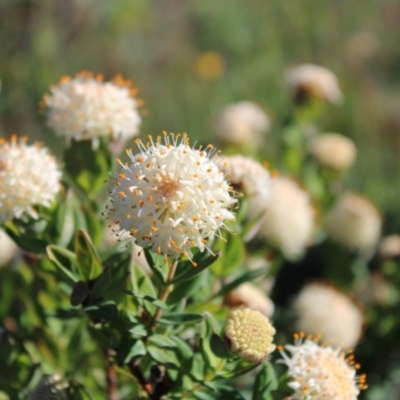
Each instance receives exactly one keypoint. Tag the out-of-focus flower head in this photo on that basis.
(8, 248)
(289, 220)
(87, 108)
(390, 246)
(253, 180)
(29, 177)
(250, 296)
(321, 309)
(354, 222)
(170, 197)
(210, 65)
(321, 372)
(334, 151)
(242, 124)
(314, 81)
(249, 334)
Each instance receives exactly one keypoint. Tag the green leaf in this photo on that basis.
(183, 290)
(103, 311)
(265, 383)
(130, 350)
(79, 293)
(89, 264)
(232, 255)
(188, 274)
(246, 277)
(240, 370)
(101, 284)
(149, 299)
(65, 260)
(162, 357)
(161, 341)
(218, 346)
(180, 318)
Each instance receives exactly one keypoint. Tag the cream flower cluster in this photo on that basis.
(314, 81)
(29, 176)
(334, 151)
(322, 310)
(354, 222)
(390, 246)
(242, 124)
(249, 334)
(171, 197)
(253, 179)
(321, 372)
(86, 108)
(250, 296)
(289, 220)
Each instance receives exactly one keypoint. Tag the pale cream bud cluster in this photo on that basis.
(314, 81)
(321, 372)
(321, 309)
(242, 124)
(249, 334)
(354, 222)
(289, 221)
(87, 108)
(250, 296)
(252, 178)
(29, 176)
(334, 151)
(170, 197)
(390, 246)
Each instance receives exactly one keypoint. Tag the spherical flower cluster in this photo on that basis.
(354, 222)
(289, 220)
(314, 81)
(29, 176)
(250, 296)
(242, 124)
(249, 334)
(8, 248)
(171, 197)
(334, 151)
(390, 246)
(322, 310)
(86, 108)
(321, 372)
(252, 178)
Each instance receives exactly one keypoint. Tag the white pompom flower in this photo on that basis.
(252, 178)
(29, 177)
(321, 372)
(242, 123)
(314, 81)
(289, 220)
(321, 309)
(87, 108)
(170, 197)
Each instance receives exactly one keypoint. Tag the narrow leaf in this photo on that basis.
(89, 263)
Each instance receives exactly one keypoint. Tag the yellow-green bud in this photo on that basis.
(249, 334)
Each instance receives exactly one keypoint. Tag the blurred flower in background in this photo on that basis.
(354, 222)
(333, 151)
(314, 81)
(322, 310)
(210, 65)
(29, 177)
(289, 221)
(389, 246)
(87, 108)
(8, 248)
(242, 124)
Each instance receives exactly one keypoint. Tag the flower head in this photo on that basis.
(249, 334)
(354, 222)
(242, 124)
(250, 296)
(86, 108)
(289, 220)
(334, 151)
(171, 197)
(314, 81)
(390, 246)
(252, 178)
(321, 372)
(321, 309)
(29, 176)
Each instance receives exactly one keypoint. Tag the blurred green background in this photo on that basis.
(157, 44)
